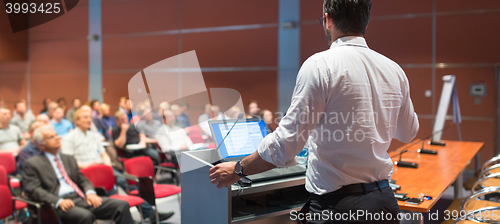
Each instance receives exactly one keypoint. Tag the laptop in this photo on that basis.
(243, 140)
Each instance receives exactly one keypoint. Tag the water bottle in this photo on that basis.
(302, 156)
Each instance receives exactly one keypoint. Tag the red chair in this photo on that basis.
(141, 170)
(102, 176)
(9, 203)
(194, 133)
(8, 161)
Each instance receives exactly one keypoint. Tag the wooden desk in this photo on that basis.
(435, 173)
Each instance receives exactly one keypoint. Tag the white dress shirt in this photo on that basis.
(349, 102)
(172, 138)
(64, 187)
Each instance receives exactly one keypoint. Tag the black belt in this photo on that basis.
(356, 189)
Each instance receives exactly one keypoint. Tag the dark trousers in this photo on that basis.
(369, 207)
(82, 213)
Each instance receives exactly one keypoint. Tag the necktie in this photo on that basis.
(67, 179)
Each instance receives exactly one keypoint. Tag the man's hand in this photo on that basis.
(94, 200)
(125, 127)
(223, 174)
(66, 204)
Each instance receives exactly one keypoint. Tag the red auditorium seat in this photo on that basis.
(8, 161)
(195, 134)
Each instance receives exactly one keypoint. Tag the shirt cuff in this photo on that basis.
(90, 192)
(59, 201)
(273, 154)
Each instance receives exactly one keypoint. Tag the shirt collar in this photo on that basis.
(51, 157)
(350, 41)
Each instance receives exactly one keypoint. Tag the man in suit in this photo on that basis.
(55, 178)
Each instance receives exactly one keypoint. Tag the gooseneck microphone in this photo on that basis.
(240, 116)
(403, 163)
(426, 151)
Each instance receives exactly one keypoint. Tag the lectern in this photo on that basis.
(203, 202)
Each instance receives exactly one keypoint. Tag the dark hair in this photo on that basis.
(349, 16)
(92, 103)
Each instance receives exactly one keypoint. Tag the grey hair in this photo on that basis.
(37, 135)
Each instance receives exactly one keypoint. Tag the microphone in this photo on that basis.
(403, 163)
(240, 116)
(426, 151)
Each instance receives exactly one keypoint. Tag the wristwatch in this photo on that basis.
(238, 169)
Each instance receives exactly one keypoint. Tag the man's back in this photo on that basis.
(359, 95)
(10, 137)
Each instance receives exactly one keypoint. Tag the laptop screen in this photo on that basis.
(242, 141)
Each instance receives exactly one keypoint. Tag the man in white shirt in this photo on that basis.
(11, 137)
(22, 118)
(349, 103)
(170, 137)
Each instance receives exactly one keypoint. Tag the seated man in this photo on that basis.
(76, 103)
(124, 134)
(43, 118)
(106, 116)
(30, 149)
(170, 137)
(61, 125)
(148, 126)
(22, 118)
(11, 137)
(87, 149)
(55, 178)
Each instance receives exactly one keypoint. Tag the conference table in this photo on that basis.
(435, 173)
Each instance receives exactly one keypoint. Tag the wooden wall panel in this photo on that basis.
(469, 38)
(234, 48)
(137, 52)
(72, 25)
(56, 85)
(402, 40)
(196, 14)
(116, 85)
(454, 5)
(420, 80)
(59, 56)
(119, 17)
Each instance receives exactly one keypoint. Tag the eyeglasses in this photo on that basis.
(321, 20)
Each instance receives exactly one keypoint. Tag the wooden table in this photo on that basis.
(435, 173)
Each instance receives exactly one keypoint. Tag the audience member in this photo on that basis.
(253, 109)
(46, 102)
(148, 126)
(163, 106)
(170, 137)
(122, 104)
(233, 112)
(124, 134)
(31, 149)
(98, 126)
(44, 118)
(11, 137)
(62, 104)
(50, 111)
(54, 177)
(106, 116)
(75, 105)
(127, 109)
(177, 112)
(95, 105)
(207, 114)
(61, 125)
(22, 118)
(183, 115)
(267, 115)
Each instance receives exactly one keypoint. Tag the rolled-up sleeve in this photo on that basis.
(309, 98)
(407, 127)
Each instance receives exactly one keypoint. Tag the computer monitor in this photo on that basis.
(242, 141)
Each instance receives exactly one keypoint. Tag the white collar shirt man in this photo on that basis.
(351, 101)
(172, 138)
(85, 146)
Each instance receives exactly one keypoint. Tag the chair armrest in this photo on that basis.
(486, 171)
(130, 177)
(490, 162)
(166, 168)
(37, 205)
(481, 180)
(477, 194)
(100, 191)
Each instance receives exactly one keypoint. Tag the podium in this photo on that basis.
(203, 202)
